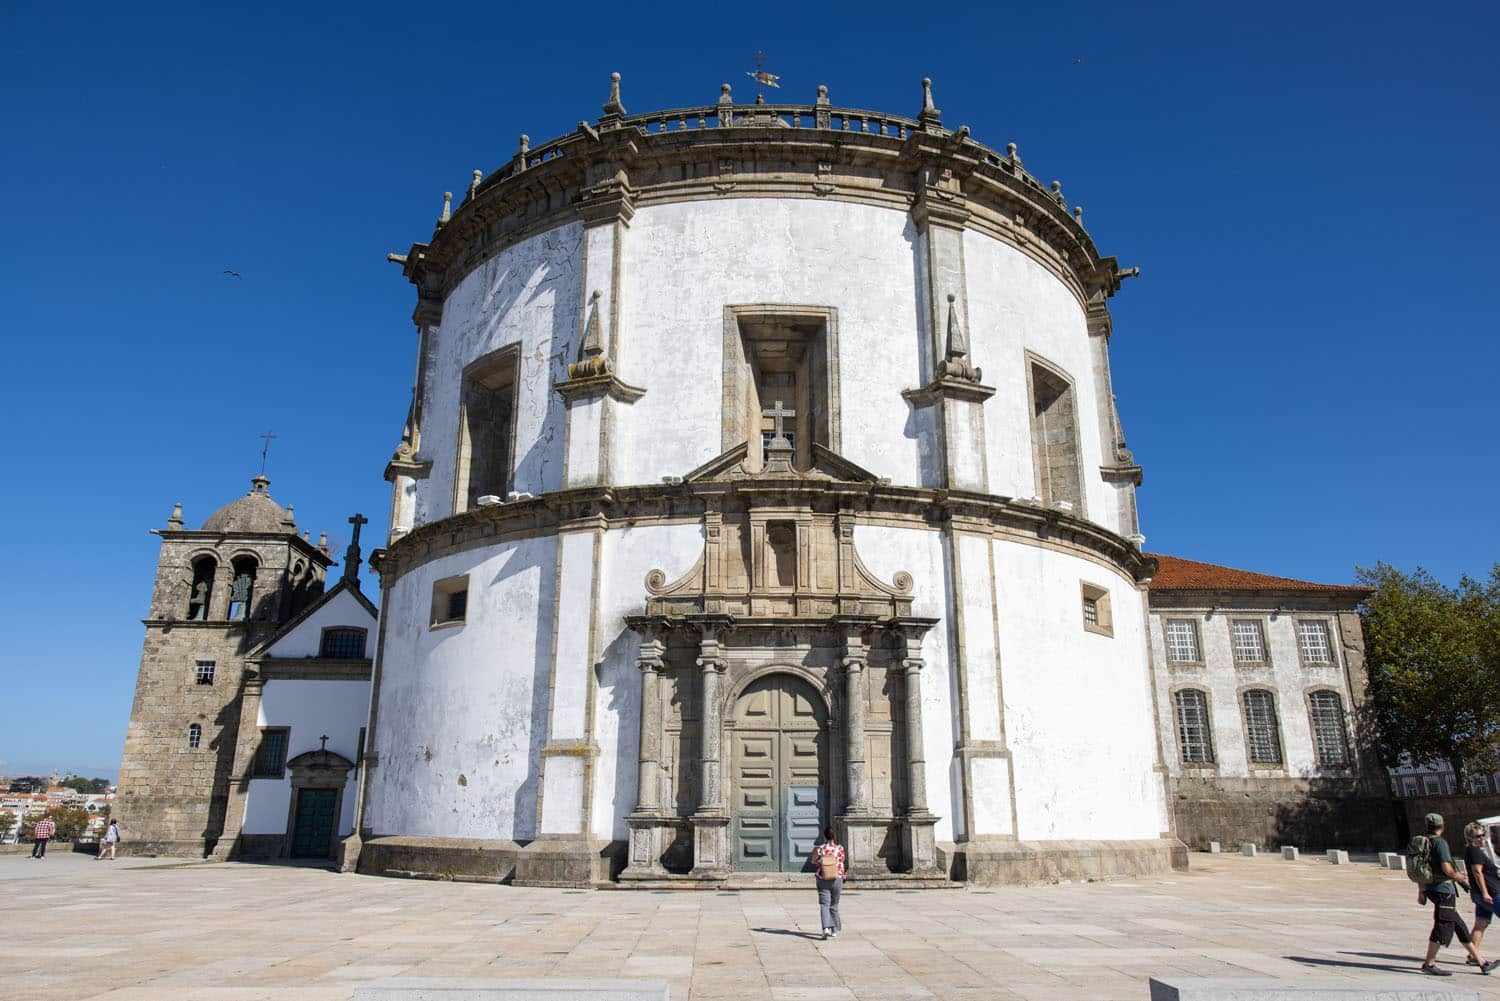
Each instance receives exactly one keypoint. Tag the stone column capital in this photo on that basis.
(715, 664)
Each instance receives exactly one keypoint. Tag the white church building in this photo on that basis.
(763, 474)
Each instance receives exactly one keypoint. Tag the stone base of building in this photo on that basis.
(1008, 862)
(1271, 812)
(172, 849)
(560, 861)
(466, 860)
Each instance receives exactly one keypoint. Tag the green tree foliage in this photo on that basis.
(85, 786)
(71, 821)
(7, 822)
(1434, 659)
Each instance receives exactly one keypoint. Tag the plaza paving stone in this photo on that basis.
(149, 929)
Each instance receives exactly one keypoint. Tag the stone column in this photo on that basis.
(247, 741)
(710, 821)
(863, 834)
(919, 838)
(649, 836)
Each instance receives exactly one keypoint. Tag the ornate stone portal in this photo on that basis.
(779, 607)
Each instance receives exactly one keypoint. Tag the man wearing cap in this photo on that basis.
(1444, 896)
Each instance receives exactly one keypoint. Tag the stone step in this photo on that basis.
(785, 881)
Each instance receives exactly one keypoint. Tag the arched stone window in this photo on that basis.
(1054, 437)
(243, 589)
(201, 591)
(195, 735)
(1195, 739)
(1262, 729)
(1330, 729)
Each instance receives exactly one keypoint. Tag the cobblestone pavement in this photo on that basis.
(151, 929)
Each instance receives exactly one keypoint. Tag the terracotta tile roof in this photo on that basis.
(1178, 574)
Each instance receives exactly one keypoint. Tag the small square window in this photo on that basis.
(1096, 612)
(1182, 641)
(342, 644)
(450, 601)
(205, 672)
(1249, 641)
(1312, 639)
(270, 756)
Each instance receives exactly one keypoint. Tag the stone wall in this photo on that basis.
(1456, 811)
(1308, 814)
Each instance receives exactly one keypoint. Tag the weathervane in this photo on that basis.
(762, 78)
(265, 450)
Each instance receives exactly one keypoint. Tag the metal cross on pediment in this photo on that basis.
(324, 739)
(779, 413)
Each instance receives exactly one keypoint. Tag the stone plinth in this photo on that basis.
(1214, 848)
(425, 989)
(1337, 857)
(1390, 988)
(1289, 853)
(1002, 862)
(1393, 860)
(467, 860)
(1248, 849)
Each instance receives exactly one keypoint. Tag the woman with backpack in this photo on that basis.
(828, 865)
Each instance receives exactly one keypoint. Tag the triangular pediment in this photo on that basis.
(826, 465)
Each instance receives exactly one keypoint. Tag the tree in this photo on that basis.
(1434, 659)
(7, 822)
(85, 786)
(71, 821)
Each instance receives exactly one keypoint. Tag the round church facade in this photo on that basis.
(762, 473)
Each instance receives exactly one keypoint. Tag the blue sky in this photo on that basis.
(1306, 368)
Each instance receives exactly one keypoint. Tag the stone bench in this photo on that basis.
(1393, 988)
(436, 989)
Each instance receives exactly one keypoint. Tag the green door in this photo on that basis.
(312, 831)
(776, 757)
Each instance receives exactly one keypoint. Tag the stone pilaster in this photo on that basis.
(711, 820)
(1119, 468)
(919, 837)
(649, 832)
(856, 781)
(247, 740)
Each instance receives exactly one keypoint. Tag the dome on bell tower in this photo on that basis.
(254, 512)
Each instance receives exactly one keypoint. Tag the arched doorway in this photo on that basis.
(778, 773)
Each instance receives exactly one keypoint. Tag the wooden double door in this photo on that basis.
(778, 774)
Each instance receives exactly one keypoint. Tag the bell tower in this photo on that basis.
(220, 591)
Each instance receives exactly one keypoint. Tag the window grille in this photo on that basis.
(1313, 637)
(343, 644)
(1329, 734)
(205, 672)
(270, 756)
(1182, 641)
(1249, 642)
(1091, 611)
(195, 735)
(1261, 727)
(1193, 734)
(458, 605)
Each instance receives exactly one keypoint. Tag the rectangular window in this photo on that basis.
(1091, 611)
(450, 601)
(486, 430)
(1249, 641)
(270, 756)
(1054, 438)
(1329, 732)
(342, 644)
(1431, 786)
(1182, 641)
(1194, 738)
(1312, 637)
(1097, 617)
(781, 373)
(1262, 731)
(205, 672)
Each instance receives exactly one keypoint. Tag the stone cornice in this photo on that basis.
(599, 175)
(279, 538)
(312, 669)
(686, 502)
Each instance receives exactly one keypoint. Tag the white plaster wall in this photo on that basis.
(463, 709)
(628, 555)
(686, 261)
(343, 609)
(527, 294)
(885, 551)
(1015, 306)
(1078, 705)
(310, 709)
(1225, 680)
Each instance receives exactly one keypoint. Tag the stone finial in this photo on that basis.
(591, 361)
(289, 520)
(1078, 214)
(823, 94)
(174, 520)
(323, 541)
(447, 209)
(724, 97)
(1057, 194)
(523, 150)
(955, 364)
(351, 555)
(474, 184)
(822, 110)
(1015, 158)
(930, 117)
(612, 108)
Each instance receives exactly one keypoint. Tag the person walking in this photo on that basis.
(1484, 879)
(40, 835)
(1443, 893)
(828, 865)
(110, 842)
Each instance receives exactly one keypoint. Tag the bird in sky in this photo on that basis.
(232, 274)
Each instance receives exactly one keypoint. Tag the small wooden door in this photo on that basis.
(312, 829)
(777, 754)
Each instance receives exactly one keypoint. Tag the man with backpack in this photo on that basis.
(1429, 864)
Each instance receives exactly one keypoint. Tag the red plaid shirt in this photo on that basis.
(829, 848)
(43, 828)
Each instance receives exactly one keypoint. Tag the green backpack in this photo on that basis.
(1419, 860)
